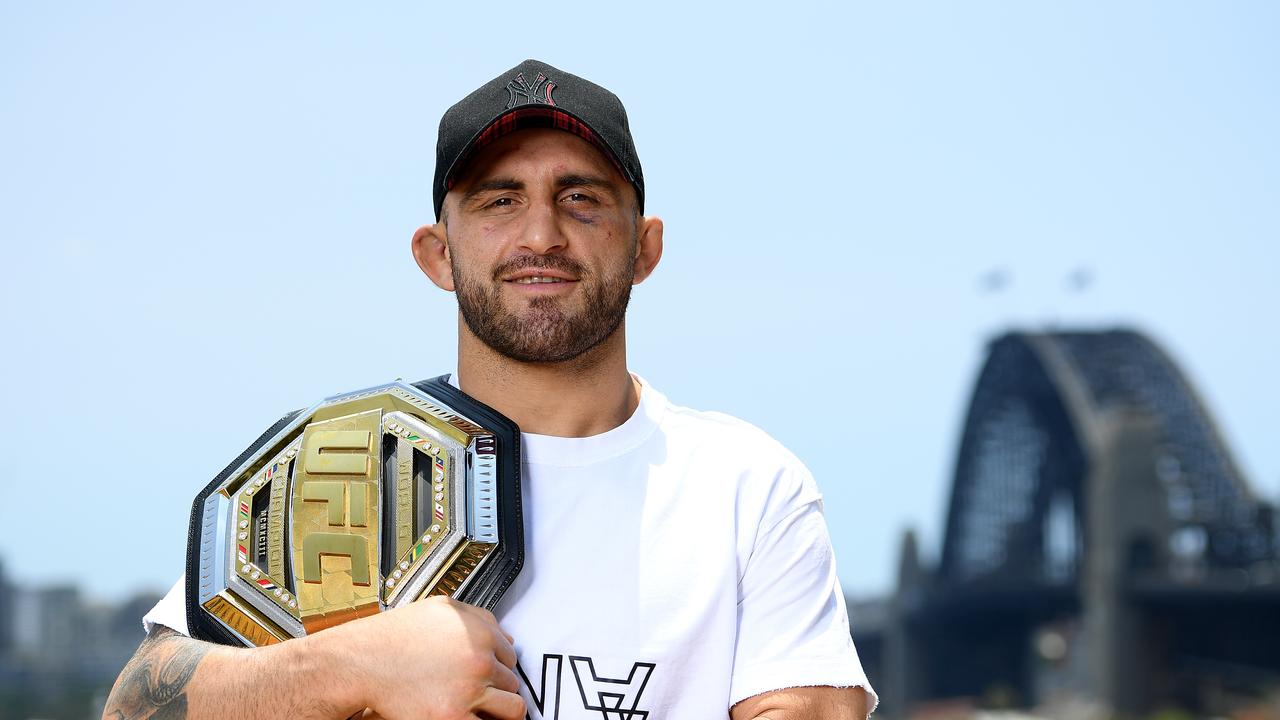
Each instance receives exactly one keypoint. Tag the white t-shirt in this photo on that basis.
(674, 566)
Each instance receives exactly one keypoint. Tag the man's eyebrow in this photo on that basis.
(586, 181)
(494, 184)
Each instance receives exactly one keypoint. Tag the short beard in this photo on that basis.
(544, 333)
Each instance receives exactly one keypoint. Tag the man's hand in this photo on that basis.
(436, 659)
(433, 659)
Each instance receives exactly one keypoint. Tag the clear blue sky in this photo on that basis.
(187, 192)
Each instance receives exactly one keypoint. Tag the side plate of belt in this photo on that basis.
(367, 501)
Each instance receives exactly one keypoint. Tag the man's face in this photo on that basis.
(542, 233)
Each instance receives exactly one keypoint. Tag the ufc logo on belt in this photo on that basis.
(345, 456)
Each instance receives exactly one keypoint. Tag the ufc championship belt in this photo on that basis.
(367, 501)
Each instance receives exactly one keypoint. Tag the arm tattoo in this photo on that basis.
(153, 684)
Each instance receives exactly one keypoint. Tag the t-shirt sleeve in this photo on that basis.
(171, 611)
(793, 627)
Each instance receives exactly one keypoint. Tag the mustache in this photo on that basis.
(539, 262)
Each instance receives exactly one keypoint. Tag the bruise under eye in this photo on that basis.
(584, 213)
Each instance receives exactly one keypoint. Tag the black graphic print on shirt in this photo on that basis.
(614, 698)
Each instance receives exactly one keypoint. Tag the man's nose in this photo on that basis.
(542, 232)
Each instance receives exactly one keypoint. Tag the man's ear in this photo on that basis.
(648, 248)
(431, 250)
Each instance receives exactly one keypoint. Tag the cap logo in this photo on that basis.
(522, 93)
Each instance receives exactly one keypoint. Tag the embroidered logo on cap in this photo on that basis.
(522, 93)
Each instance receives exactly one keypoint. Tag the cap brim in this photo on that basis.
(527, 117)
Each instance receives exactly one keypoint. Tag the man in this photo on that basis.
(678, 564)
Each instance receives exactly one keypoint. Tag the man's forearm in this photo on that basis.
(174, 676)
(804, 703)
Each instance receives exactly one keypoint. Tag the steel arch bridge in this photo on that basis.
(1099, 541)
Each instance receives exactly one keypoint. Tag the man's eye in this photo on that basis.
(501, 202)
(578, 197)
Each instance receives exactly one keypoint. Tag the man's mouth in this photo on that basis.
(537, 279)
(539, 275)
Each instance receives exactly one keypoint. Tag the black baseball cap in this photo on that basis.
(535, 95)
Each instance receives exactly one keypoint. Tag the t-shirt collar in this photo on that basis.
(578, 451)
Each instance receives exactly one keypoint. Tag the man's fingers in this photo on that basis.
(503, 642)
(504, 650)
(500, 705)
(487, 616)
(504, 678)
